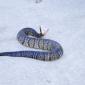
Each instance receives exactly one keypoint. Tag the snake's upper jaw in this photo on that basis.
(44, 33)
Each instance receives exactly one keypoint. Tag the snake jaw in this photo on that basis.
(44, 33)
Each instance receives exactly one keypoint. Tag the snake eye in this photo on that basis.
(30, 33)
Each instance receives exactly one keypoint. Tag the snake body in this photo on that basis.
(28, 37)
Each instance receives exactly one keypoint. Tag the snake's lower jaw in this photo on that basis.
(46, 32)
(43, 33)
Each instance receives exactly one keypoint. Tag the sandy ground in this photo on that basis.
(66, 22)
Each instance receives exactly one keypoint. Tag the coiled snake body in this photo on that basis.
(30, 38)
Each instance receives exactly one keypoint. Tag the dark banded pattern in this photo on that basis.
(30, 38)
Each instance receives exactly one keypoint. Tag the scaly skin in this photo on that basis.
(30, 38)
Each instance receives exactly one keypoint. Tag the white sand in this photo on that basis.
(66, 22)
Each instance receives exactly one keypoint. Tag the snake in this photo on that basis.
(50, 49)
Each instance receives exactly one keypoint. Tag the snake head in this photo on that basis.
(43, 34)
